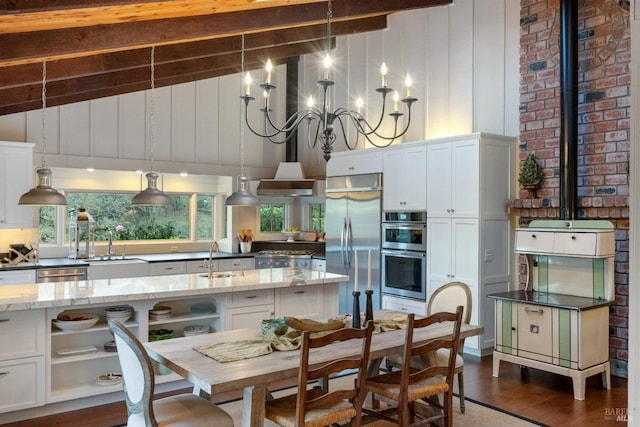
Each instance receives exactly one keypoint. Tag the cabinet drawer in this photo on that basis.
(200, 266)
(234, 264)
(534, 241)
(166, 268)
(24, 330)
(21, 384)
(575, 243)
(248, 298)
(404, 305)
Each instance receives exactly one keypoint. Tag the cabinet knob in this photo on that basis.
(573, 237)
(513, 328)
(3, 373)
(533, 236)
(251, 296)
(4, 320)
(299, 292)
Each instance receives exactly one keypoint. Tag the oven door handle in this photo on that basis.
(404, 254)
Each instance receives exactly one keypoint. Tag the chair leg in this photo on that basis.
(461, 391)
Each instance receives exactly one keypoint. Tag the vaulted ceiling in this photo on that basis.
(98, 48)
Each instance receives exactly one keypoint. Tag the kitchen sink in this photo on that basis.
(220, 275)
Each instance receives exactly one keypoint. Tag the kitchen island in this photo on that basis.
(47, 370)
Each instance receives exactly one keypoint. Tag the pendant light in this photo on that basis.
(151, 196)
(242, 196)
(43, 194)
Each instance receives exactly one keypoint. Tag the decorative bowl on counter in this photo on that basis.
(291, 235)
(75, 321)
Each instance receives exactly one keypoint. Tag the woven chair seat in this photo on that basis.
(283, 411)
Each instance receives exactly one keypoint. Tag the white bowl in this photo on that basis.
(121, 313)
(195, 330)
(291, 236)
(77, 322)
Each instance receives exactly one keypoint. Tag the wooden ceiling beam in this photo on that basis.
(72, 42)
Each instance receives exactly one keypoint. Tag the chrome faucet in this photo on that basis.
(214, 247)
(109, 243)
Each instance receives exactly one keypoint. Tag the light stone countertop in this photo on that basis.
(85, 292)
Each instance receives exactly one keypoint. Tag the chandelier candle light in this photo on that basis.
(329, 120)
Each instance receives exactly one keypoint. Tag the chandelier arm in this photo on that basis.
(344, 132)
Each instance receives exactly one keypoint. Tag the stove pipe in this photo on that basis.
(568, 108)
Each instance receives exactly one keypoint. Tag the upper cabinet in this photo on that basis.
(16, 176)
(355, 162)
(405, 177)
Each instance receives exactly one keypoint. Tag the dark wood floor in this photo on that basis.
(537, 395)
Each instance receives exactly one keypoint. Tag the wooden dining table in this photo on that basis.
(254, 375)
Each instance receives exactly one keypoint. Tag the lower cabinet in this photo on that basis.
(247, 309)
(303, 302)
(22, 361)
(404, 305)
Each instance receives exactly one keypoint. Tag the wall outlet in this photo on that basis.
(173, 249)
(488, 255)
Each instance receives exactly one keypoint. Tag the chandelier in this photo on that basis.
(326, 120)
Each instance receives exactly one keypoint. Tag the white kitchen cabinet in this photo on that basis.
(247, 309)
(22, 360)
(356, 162)
(16, 178)
(319, 264)
(200, 266)
(404, 305)
(236, 264)
(166, 268)
(300, 301)
(13, 277)
(116, 269)
(469, 233)
(404, 170)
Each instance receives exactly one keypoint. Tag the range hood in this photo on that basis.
(289, 181)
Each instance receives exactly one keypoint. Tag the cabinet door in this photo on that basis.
(404, 305)
(405, 179)
(247, 317)
(17, 277)
(17, 176)
(439, 197)
(166, 268)
(535, 334)
(465, 179)
(439, 252)
(22, 384)
(354, 163)
(201, 266)
(235, 264)
(465, 249)
(302, 301)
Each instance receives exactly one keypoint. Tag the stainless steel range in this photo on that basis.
(283, 258)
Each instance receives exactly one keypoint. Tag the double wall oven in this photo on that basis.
(404, 254)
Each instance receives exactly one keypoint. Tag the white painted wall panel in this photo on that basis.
(132, 126)
(489, 66)
(183, 121)
(415, 64)
(461, 81)
(229, 131)
(207, 104)
(104, 128)
(74, 129)
(35, 132)
(13, 127)
(162, 124)
(512, 69)
(437, 51)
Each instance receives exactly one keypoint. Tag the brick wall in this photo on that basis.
(604, 55)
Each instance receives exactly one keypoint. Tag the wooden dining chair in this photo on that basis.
(410, 384)
(138, 378)
(446, 298)
(320, 406)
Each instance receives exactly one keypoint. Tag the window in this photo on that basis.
(272, 217)
(113, 212)
(204, 217)
(316, 214)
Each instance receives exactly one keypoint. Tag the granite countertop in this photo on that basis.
(549, 299)
(150, 258)
(83, 292)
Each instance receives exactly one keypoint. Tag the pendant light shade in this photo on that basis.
(43, 194)
(242, 197)
(151, 196)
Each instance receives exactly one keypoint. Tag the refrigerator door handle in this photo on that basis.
(349, 240)
(343, 237)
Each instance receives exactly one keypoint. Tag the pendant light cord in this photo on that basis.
(44, 108)
(152, 106)
(241, 111)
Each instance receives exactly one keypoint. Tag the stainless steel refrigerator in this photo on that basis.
(353, 214)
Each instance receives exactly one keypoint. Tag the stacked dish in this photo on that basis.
(120, 313)
(160, 312)
(195, 330)
(201, 308)
(109, 379)
(75, 321)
